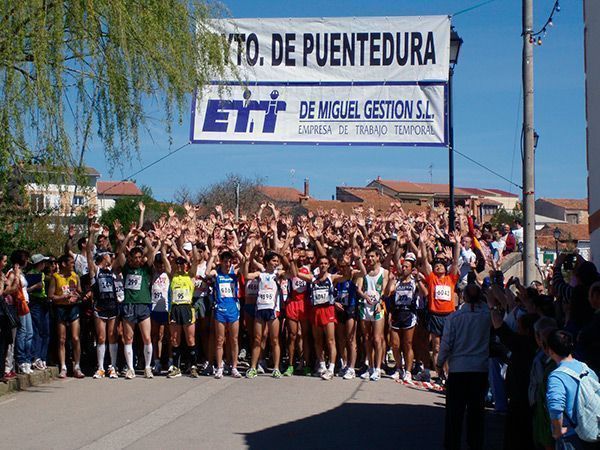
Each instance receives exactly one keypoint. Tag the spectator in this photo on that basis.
(40, 310)
(523, 348)
(540, 370)
(510, 243)
(588, 341)
(517, 232)
(562, 392)
(465, 347)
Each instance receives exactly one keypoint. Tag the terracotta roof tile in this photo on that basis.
(440, 189)
(569, 203)
(118, 188)
(281, 193)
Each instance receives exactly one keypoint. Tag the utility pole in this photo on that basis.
(237, 201)
(529, 247)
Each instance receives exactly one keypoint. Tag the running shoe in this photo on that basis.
(407, 378)
(327, 375)
(350, 374)
(396, 375)
(44, 365)
(260, 369)
(366, 374)
(251, 373)
(77, 373)
(174, 372)
(376, 375)
(219, 373)
(235, 373)
(11, 375)
(38, 364)
(276, 373)
(342, 371)
(23, 369)
(209, 371)
(194, 372)
(306, 371)
(289, 371)
(148, 372)
(389, 357)
(157, 368)
(63, 373)
(99, 374)
(130, 374)
(321, 370)
(112, 373)
(424, 376)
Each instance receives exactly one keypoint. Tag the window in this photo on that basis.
(489, 210)
(573, 218)
(36, 202)
(78, 200)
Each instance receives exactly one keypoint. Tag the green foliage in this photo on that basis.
(38, 233)
(71, 70)
(127, 211)
(504, 216)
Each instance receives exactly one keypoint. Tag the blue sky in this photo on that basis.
(487, 105)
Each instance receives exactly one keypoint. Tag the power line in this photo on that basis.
(488, 169)
(479, 5)
(126, 179)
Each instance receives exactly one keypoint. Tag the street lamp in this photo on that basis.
(557, 234)
(455, 44)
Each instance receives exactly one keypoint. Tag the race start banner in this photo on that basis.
(338, 81)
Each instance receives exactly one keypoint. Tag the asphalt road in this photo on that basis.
(263, 413)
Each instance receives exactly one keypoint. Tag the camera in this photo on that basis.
(570, 261)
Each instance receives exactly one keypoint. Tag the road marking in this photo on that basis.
(165, 414)
(7, 401)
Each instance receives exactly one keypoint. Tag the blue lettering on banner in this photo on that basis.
(217, 113)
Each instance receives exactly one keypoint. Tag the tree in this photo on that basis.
(127, 211)
(507, 217)
(74, 69)
(224, 192)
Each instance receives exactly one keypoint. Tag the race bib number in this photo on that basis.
(105, 285)
(157, 296)
(298, 285)
(226, 290)
(344, 298)
(119, 291)
(321, 296)
(372, 297)
(265, 300)
(443, 293)
(181, 295)
(133, 282)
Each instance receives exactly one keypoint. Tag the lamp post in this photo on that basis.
(455, 44)
(556, 239)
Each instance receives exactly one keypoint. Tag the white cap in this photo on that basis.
(187, 246)
(410, 257)
(38, 258)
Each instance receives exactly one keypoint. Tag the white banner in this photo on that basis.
(335, 113)
(368, 80)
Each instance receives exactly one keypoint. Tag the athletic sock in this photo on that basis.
(114, 351)
(100, 351)
(331, 367)
(192, 356)
(176, 356)
(129, 356)
(147, 354)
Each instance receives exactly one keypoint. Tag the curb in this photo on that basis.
(22, 382)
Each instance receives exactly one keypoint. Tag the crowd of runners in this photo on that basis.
(327, 294)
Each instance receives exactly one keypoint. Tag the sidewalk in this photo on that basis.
(22, 382)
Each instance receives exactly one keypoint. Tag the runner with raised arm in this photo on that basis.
(106, 306)
(136, 306)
